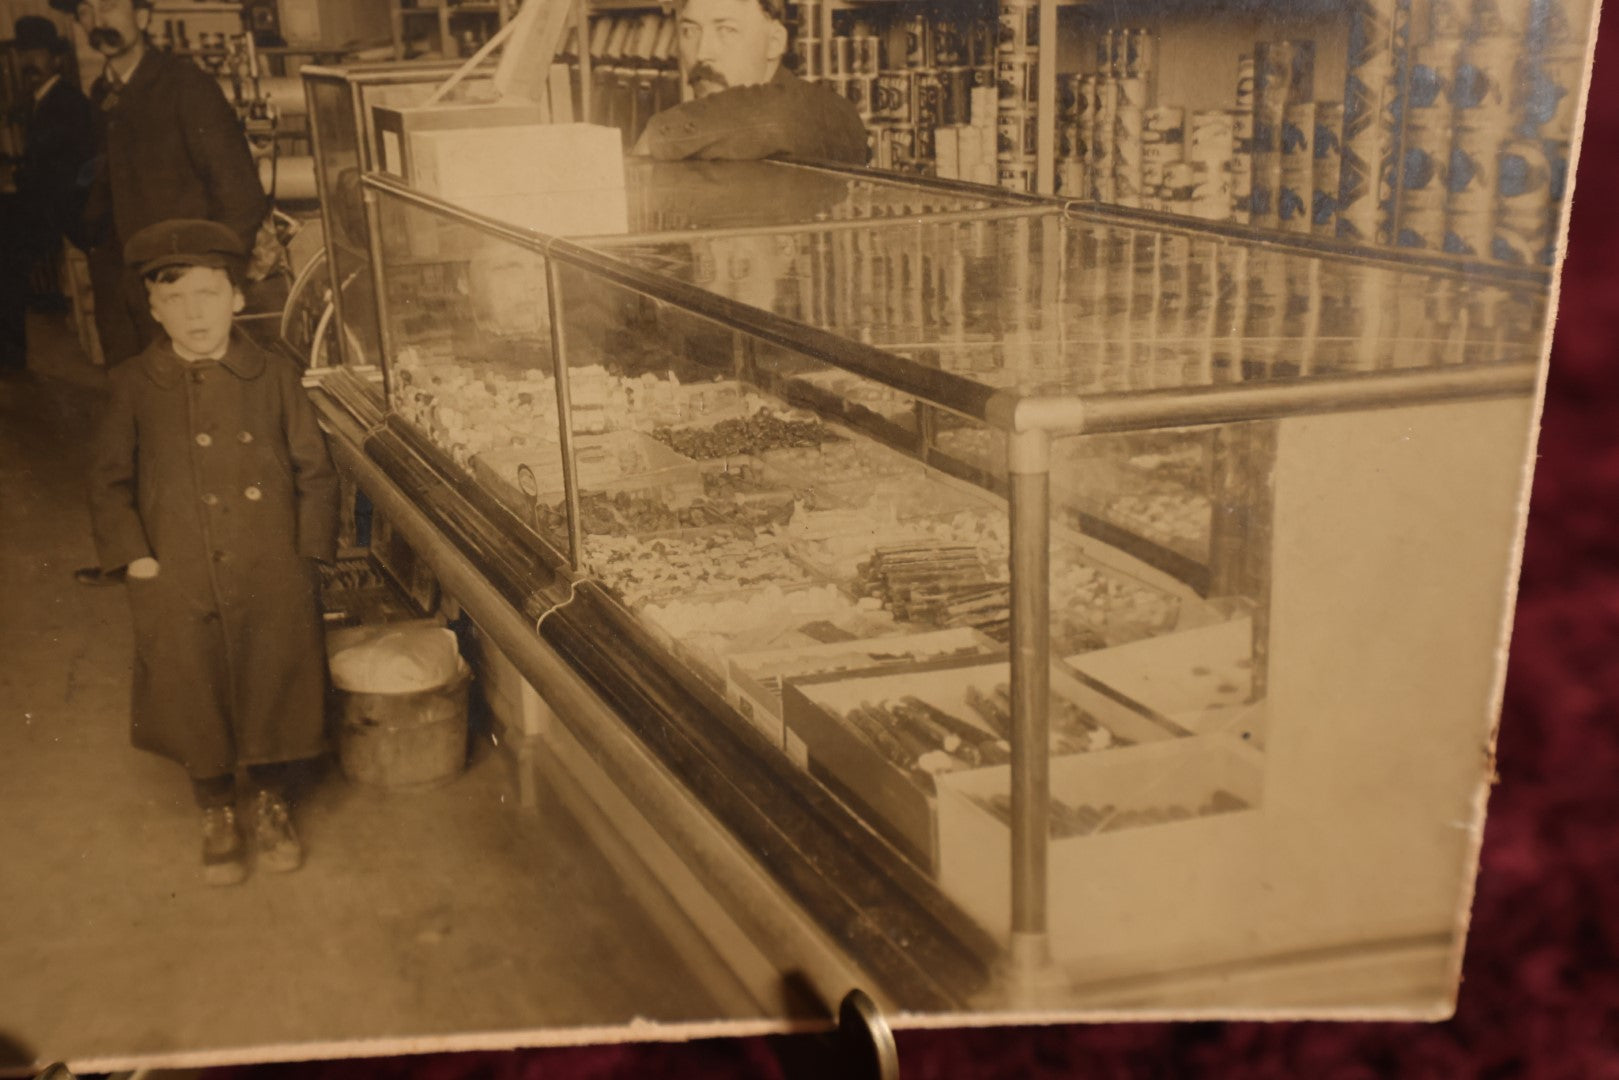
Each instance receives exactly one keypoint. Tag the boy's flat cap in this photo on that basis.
(184, 242)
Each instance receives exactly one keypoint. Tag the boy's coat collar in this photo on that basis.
(242, 359)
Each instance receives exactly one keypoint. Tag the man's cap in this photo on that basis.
(184, 242)
(37, 32)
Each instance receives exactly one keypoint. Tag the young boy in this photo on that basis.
(212, 488)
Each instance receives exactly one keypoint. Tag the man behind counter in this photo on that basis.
(747, 105)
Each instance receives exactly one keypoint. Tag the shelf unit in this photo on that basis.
(452, 23)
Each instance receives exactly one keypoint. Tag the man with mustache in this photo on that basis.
(171, 148)
(57, 143)
(747, 105)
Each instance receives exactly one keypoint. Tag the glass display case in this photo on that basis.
(1074, 592)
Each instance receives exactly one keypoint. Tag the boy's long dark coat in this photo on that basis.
(220, 472)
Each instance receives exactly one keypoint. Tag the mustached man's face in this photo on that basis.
(726, 43)
(114, 27)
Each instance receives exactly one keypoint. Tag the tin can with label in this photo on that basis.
(1329, 120)
(1470, 171)
(1166, 121)
(894, 97)
(1016, 135)
(1156, 157)
(1524, 220)
(1019, 27)
(902, 138)
(1245, 83)
(807, 55)
(840, 57)
(1013, 77)
(1211, 193)
(949, 44)
(865, 55)
(1073, 142)
(983, 42)
(1548, 90)
(925, 143)
(1015, 176)
(859, 89)
(838, 84)
(1069, 107)
(1131, 93)
(955, 95)
(1211, 138)
(1071, 180)
(1422, 227)
(806, 19)
(1297, 191)
(1110, 54)
(1140, 55)
(927, 93)
(918, 42)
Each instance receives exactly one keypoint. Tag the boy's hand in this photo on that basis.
(143, 568)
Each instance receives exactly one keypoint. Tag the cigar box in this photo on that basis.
(755, 679)
(897, 802)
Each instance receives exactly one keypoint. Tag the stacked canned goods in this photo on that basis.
(1329, 125)
(1284, 78)
(921, 97)
(1125, 88)
(1076, 94)
(1428, 124)
(1532, 166)
(1017, 75)
(1242, 147)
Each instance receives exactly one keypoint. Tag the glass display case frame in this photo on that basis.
(533, 575)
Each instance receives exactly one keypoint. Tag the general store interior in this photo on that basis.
(524, 889)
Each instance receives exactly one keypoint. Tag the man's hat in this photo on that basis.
(38, 32)
(184, 242)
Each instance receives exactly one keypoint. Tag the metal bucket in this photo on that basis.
(400, 741)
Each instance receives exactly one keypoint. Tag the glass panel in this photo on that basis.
(1053, 306)
(470, 368)
(709, 195)
(347, 238)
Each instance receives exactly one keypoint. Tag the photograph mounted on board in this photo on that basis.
(1011, 508)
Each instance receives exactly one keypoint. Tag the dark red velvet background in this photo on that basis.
(1541, 989)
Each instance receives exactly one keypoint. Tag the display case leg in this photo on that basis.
(1030, 974)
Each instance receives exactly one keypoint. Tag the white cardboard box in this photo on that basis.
(1152, 891)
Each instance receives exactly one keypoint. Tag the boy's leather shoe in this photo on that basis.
(222, 848)
(278, 845)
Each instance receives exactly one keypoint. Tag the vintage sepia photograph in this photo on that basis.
(566, 521)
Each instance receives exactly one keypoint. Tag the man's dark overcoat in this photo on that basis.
(171, 147)
(219, 471)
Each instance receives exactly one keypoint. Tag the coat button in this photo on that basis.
(219, 556)
(253, 494)
(204, 439)
(210, 499)
(244, 437)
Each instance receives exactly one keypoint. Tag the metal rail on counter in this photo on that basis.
(726, 868)
(1157, 409)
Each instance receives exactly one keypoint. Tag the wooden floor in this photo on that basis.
(448, 911)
